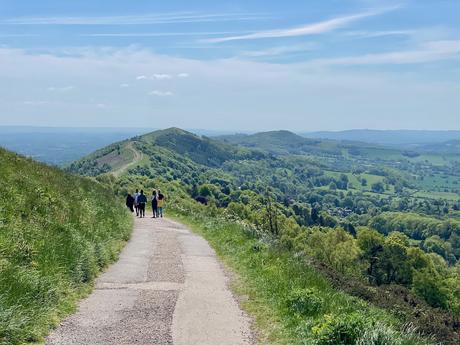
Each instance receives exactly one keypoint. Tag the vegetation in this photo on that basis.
(347, 213)
(57, 231)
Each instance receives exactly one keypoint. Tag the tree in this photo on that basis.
(378, 187)
(428, 284)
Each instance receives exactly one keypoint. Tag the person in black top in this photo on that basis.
(154, 204)
(130, 202)
(141, 201)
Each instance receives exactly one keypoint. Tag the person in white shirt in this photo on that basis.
(136, 204)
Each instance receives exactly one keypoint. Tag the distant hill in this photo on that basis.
(58, 146)
(388, 137)
(280, 142)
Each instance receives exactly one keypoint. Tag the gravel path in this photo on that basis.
(167, 288)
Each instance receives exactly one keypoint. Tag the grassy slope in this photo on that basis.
(291, 302)
(57, 231)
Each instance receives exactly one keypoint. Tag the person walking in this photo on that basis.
(141, 200)
(130, 202)
(136, 203)
(161, 204)
(154, 204)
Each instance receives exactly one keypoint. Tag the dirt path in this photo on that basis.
(167, 288)
(136, 159)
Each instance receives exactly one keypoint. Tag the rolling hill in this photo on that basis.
(396, 138)
(329, 203)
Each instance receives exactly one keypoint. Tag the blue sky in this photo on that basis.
(239, 65)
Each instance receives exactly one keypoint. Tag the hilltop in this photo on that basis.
(313, 197)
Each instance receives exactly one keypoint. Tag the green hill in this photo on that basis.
(274, 210)
(57, 231)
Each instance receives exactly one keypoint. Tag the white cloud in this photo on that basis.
(307, 29)
(160, 93)
(124, 85)
(427, 52)
(372, 34)
(253, 94)
(280, 50)
(61, 88)
(141, 77)
(161, 76)
(183, 75)
(161, 34)
(158, 18)
(36, 102)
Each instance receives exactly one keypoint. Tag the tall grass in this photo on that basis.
(57, 231)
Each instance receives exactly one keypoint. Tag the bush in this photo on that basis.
(342, 329)
(305, 302)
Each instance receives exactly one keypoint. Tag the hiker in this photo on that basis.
(154, 204)
(161, 203)
(130, 202)
(141, 200)
(136, 204)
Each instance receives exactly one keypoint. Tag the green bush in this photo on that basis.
(341, 329)
(305, 302)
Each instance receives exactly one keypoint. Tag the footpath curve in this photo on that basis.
(137, 157)
(167, 288)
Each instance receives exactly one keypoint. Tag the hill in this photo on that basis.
(388, 137)
(57, 231)
(333, 209)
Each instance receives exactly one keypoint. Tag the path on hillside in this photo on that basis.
(167, 288)
(136, 159)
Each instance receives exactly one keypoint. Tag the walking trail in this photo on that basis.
(166, 288)
(137, 157)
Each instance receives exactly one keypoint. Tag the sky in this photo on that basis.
(231, 65)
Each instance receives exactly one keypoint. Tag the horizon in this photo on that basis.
(236, 131)
(354, 64)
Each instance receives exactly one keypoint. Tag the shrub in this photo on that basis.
(342, 329)
(305, 302)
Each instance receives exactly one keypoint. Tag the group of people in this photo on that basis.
(138, 201)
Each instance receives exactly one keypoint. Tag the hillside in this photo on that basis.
(57, 231)
(388, 137)
(329, 210)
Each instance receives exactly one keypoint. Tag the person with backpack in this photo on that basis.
(155, 204)
(136, 204)
(161, 203)
(141, 201)
(130, 202)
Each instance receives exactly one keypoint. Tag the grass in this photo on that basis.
(57, 232)
(291, 302)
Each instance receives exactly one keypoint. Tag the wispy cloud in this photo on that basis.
(183, 75)
(124, 85)
(160, 93)
(372, 34)
(60, 88)
(141, 77)
(161, 76)
(427, 52)
(162, 34)
(307, 29)
(161, 18)
(36, 102)
(280, 50)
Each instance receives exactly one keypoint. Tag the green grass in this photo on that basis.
(291, 302)
(57, 231)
